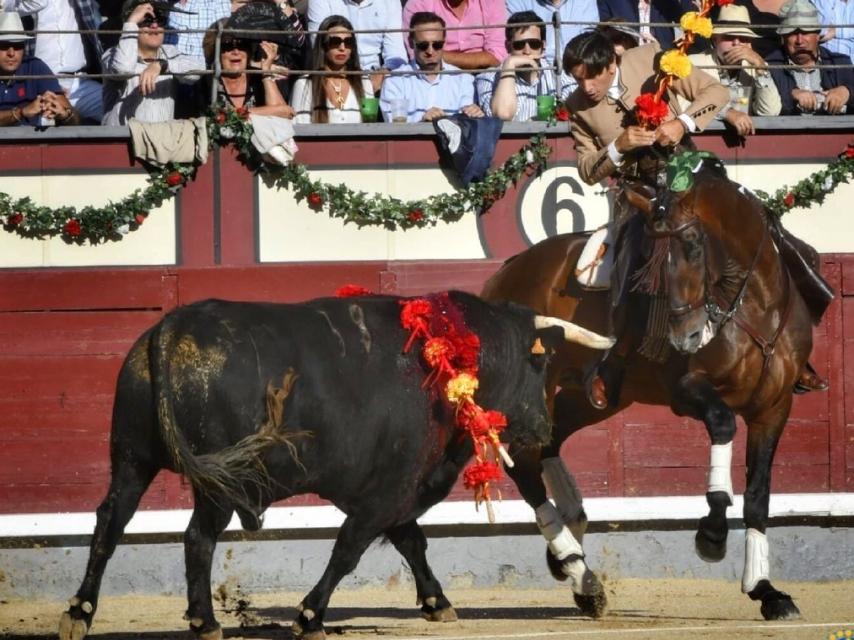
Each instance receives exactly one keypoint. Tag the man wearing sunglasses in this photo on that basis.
(23, 102)
(428, 93)
(511, 93)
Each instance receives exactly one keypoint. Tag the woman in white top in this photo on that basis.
(331, 97)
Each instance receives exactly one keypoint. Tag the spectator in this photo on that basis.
(336, 97)
(511, 93)
(837, 12)
(425, 93)
(567, 11)
(761, 12)
(70, 53)
(383, 49)
(751, 89)
(194, 16)
(470, 47)
(149, 94)
(804, 87)
(621, 36)
(646, 11)
(34, 102)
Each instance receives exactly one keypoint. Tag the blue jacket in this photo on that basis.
(830, 78)
(660, 11)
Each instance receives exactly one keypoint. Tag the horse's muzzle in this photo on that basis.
(689, 334)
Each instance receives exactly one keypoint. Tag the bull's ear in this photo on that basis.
(640, 197)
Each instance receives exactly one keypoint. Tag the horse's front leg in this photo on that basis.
(695, 396)
(763, 433)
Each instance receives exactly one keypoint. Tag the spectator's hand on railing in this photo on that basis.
(473, 111)
(148, 78)
(56, 106)
(806, 100)
(835, 99)
(741, 122)
(34, 108)
(433, 113)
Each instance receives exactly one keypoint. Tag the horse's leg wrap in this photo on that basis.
(756, 565)
(720, 469)
(564, 547)
(561, 485)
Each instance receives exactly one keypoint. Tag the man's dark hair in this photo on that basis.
(521, 17)
(592, 49)
(423, 17)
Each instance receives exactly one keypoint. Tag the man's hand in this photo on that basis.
(670, 133)
(56, 106)
(433, 113)
(516, 61)
(835, 99)
(34, 108)
(148, 78)
(378, 77)
(473, 111)
(741, 122)
(805, 99)
(634, 137)
(743, 53)
(140, 11)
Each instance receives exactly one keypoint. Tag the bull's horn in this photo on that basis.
(575, 333)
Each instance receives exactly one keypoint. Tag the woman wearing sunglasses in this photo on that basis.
(511, 93)
(334, 96)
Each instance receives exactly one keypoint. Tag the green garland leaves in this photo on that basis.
(232, 126)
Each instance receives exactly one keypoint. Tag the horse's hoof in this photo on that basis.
(555, 566)
(72, 629)
(300, 626)
(709, 550)
(594, 605)
(213, 634)
(448, 614)
(780, 607)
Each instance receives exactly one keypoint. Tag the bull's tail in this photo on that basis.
(228, 475)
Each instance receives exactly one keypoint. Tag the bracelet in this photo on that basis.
(17, 113)
(506, 74)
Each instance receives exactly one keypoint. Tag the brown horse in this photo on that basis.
(740, 333)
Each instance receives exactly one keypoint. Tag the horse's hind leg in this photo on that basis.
(764, 433)
(696, 397)
(129, 481)
(209, 520)
(410, 542)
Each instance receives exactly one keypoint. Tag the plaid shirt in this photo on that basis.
(207, 12)
(88, 17)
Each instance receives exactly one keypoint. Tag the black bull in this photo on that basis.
(258, 402)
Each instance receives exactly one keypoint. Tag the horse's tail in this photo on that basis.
(226, 475)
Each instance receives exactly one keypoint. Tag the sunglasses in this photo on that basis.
(229, 44)
(17, 46)
(436, 45)
(534, 43)
(333, 42)
(158, 18)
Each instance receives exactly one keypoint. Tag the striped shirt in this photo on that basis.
(206, 13)
(526, 92)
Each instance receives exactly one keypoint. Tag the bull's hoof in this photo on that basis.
(594, 605)
(555, 566)
(72, 628)
(214, 632)
(708, 549)
(305, 626)
(779, 606)
(448, 614)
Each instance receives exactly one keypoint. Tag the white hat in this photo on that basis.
(799, 15)
(733, 21)
(11, 22)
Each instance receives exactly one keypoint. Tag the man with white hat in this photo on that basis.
(751, 88)
(809, 86)
(36, 101)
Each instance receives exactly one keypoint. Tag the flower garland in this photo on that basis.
(232, 126)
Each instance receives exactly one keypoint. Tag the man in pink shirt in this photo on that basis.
(472, 48)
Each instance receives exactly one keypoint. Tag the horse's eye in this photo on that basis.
(690, 235)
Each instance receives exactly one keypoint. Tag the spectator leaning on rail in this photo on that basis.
(378, 51)
(149, 94)
(751, 88)
(511, 93)
(335, 97)
(468, 45)
(805, 86)
(24, 102)
(426, 93)
(69, 53)
(568, 11)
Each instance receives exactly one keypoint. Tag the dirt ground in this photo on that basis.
(639, 609)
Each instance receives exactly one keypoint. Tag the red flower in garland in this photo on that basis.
(416, 215)
(15, 219)
(789, 200)
(650, 112)
(467, 349)
(220, 117)
(415, 317)
(174, 178)
(478, 422)
(72, 228)
(242, 113)
(351, 291)
(562, 114)
(849, 151)
(139, 218)
(315, 199)
(479, 474)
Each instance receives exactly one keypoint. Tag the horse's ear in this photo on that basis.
(640, 197)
